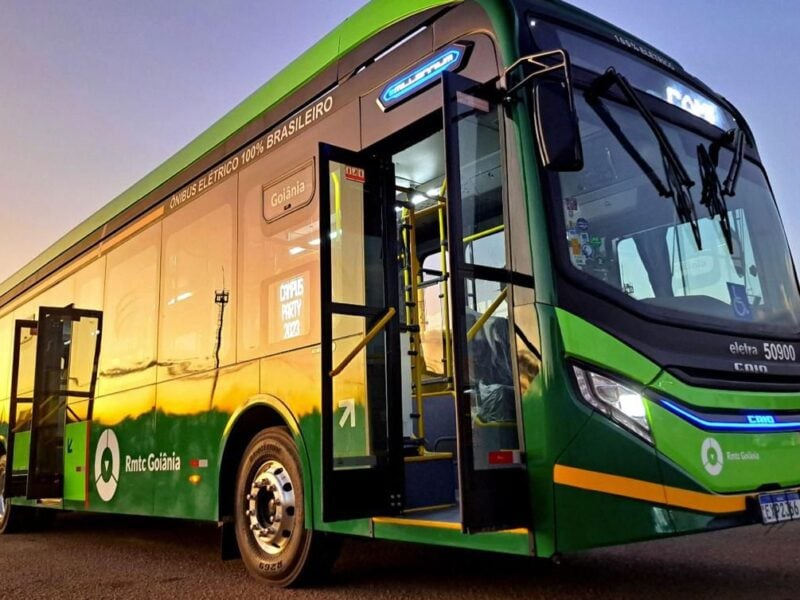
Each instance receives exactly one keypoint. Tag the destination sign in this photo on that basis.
(288, 193)
(260, 147)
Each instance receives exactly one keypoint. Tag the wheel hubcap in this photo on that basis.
(270, 507)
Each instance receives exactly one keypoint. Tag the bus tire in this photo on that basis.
(270, 515)
(14, 519)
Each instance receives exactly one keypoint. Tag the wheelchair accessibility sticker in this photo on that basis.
(739, 302)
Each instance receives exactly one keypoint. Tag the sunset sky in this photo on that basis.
(94, 94)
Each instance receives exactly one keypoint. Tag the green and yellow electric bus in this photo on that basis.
(491, 274)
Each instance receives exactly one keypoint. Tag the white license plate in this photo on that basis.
(779, 507)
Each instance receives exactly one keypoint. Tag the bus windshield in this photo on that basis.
(625, 239)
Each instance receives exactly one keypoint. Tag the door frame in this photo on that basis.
(37, 489)
(377, 489)
(490, 499)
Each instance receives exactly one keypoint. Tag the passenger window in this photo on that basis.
(198, 277)
(128, 358)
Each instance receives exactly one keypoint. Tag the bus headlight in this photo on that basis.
(619, 402)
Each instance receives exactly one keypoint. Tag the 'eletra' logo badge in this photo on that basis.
(106, 465)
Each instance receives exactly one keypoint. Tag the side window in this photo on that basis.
(197, 307)
(128, 358)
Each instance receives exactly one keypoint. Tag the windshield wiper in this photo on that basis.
(678, 184)
(736, 136)
(715, 192)
(713, 195)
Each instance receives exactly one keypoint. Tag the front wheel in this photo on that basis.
(270, 514)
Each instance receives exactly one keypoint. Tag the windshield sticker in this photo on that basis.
(582, 224)
(739, 302)
(571, 205)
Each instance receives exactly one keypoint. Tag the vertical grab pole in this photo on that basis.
(448, 348)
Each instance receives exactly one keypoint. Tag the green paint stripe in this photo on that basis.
(585, 341)
(710, 398)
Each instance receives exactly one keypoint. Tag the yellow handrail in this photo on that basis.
(473, 331)
(483, 234)
(371, 334)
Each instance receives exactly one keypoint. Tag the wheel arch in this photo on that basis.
(258, 413)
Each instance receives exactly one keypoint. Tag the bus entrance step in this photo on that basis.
(430, 480)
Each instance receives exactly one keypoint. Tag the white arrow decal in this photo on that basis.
(349, 406)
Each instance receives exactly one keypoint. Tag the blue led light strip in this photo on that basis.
(727, 425)
(421, 76)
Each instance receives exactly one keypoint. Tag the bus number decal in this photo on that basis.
(779, 352)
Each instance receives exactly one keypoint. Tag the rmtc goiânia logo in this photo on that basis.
(106, 465)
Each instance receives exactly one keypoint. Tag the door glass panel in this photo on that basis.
(361, 417)
(347, 235)
(81, 373)
(22, 401)
(66, 360)
(483, 230)
(27, 363)
(359, 424)
(49, 408)
(432, 316)
(491, 385)
(80, 367)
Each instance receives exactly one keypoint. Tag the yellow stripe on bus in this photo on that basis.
(648, 491)
(436, 524)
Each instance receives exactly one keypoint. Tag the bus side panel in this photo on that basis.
(585, 518)
(191, 418)
(122, 435)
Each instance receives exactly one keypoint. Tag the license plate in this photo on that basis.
(779, 507)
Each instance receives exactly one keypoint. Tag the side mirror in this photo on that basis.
(548, 74)
(556, 123)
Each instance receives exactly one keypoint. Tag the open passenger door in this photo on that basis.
(362, 436)
(67, 352)
(492, 477)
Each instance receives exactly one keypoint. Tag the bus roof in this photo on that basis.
(371, 19)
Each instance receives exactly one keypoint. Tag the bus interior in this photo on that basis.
(428, 392)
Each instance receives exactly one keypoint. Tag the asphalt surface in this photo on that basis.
(104, 557)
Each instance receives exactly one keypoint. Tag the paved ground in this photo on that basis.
(100, 557)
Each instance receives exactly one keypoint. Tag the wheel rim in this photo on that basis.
(270, 507)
